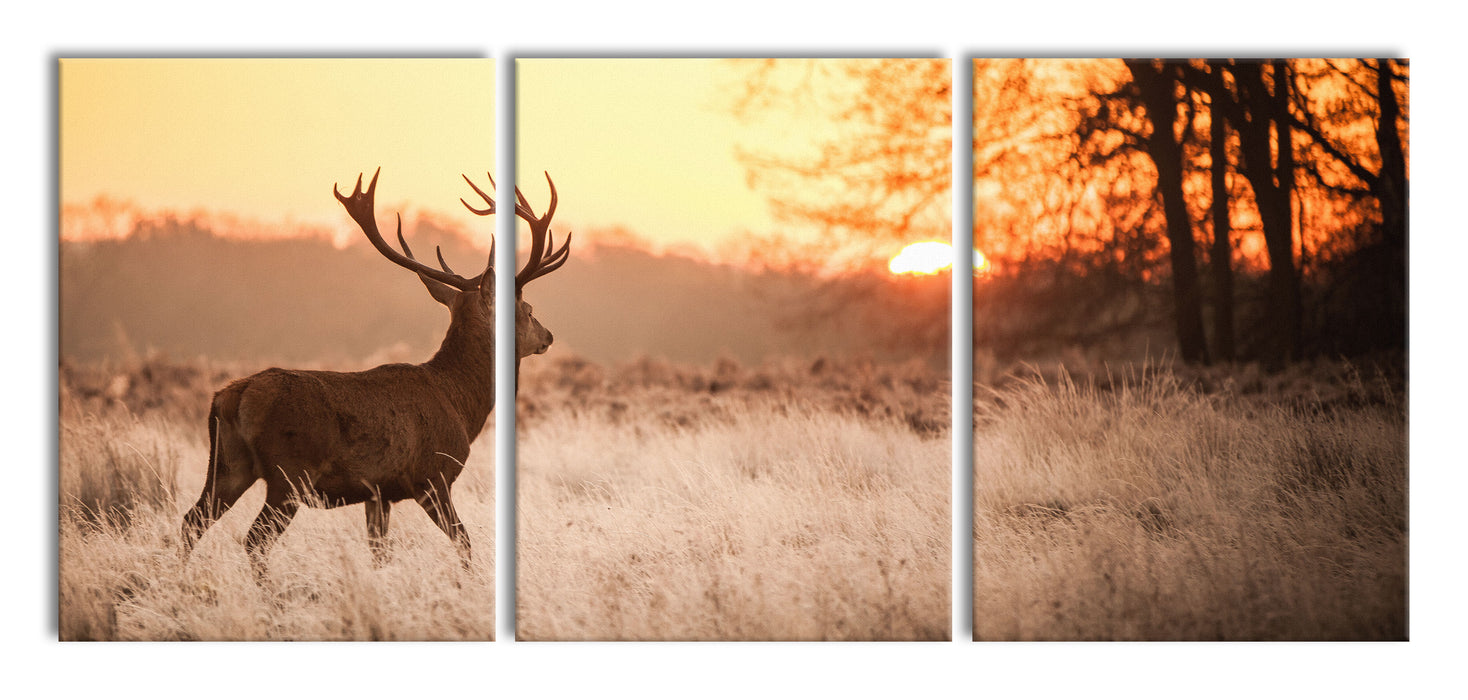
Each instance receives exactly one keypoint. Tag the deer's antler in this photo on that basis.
(540, 263)
(541, 238)
(361, 208)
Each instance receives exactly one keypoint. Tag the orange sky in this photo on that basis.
(265, 139)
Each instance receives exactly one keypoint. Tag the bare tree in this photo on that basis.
(380, 436)
(1221, 257)
(875, 176)
(881, 172)
(1157, 84)
(1261, 115)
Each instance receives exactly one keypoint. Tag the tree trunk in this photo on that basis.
(1391, 186)
(1390, 189)
(1222, 257)
(1263, 132)
(1158, 91)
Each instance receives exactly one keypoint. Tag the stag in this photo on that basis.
(380, 436)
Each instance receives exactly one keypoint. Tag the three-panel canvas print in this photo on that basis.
(1175, 381)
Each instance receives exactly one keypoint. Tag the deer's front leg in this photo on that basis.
(441, 511)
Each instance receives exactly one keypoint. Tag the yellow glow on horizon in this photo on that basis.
(649, 146)
(265, 139)
(646, 147)
(925, 258)
(930, 258)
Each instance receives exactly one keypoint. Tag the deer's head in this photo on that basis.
(531, 338)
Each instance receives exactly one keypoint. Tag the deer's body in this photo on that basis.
(346, 456)
(387, 434)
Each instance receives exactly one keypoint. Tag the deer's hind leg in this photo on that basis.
(231, 474)
(280, 507)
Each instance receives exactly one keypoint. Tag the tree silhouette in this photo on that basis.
(1157, 85)
(1299, 119)
(1260, 112)
(877, 175)
(1221, 255)
(882, 173)
(1099, 185)
(1117, 151)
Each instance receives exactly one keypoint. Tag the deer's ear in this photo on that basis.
(440, 291)
(486, 284)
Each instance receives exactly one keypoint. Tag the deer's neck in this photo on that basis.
(464, 364)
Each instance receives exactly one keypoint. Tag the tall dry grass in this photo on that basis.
(785, 502)
(1145, 508)
(126, 479)
(120, 465)
(790, 501)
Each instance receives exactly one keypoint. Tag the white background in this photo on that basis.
(32, 40)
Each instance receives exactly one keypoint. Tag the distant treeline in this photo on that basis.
(176, 289)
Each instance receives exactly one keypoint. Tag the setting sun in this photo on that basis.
(929, 258)
(925, 258)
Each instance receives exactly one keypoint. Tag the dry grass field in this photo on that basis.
(791, 500)
(133, 455)
(794, 501)
(1192, 505)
